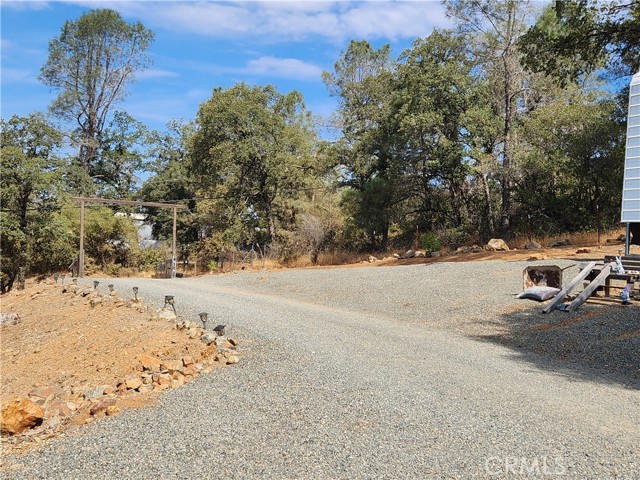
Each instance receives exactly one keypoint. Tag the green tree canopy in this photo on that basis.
(90, 64)
(435, 89)
(171, 182)
(33, 238)
(252, 153)
(362, 82)
(573, 37)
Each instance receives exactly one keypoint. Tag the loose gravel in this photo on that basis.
(422, 371)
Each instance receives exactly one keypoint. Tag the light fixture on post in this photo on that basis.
(75, 280)
(135, 293)
(95, 284)
(55, 277)
(111, 289)
(168, 300)
(204, 316)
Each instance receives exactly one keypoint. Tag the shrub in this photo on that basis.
(430, 242)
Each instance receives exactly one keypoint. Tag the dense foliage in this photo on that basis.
(500, 126)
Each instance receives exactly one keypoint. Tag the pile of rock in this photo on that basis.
(468, 249)
(158, 375)
(52, 408)
(397, 256)
(41, 414)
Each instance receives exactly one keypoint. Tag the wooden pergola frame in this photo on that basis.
(84, 200)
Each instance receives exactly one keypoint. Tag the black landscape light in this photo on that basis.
(75, 280)
(219, 330)
(95, 284)
(110, 287)
(204, 316)
(168, 300)
(55, 277)
(135, 293)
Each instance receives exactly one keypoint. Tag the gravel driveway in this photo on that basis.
(388, 372)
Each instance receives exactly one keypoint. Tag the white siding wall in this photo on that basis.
(631, 187)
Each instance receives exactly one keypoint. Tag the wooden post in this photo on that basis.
(626, 240)
(82, 201)
(173, 247)
(81, 254)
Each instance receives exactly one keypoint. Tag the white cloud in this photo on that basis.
(155, 73)
(17, 75)
(286, 21)
(290, 68)
(23, 5)
(263, 66)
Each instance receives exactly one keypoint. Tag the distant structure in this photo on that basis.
(145, 235)
(631, 187)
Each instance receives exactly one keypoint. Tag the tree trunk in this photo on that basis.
(385, 236)
(487, 196)
(271, 222)
(506, 152)
(313, 255)
(509, 63)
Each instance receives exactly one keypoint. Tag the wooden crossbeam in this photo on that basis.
(84, 200)
(560, 296)
(129, 202)
(599, 280)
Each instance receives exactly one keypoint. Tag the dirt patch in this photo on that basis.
(566, 252)
(567, 323)
(72, 350)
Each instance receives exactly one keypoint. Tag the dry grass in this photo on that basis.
(340, 257)
(579, 239)
(344, 257)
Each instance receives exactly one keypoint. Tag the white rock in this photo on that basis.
(8, 319)
(497, 244)
(166, 314)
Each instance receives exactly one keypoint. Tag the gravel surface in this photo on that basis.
(389, 372)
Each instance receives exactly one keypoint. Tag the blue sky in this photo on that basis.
(201, 45)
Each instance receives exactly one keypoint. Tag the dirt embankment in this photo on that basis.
(81, 353)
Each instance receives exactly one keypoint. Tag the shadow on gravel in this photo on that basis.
(605, 339)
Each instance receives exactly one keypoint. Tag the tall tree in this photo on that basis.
(571, 163)
(121, 155)
(362, 82)
(171, 182)
(29, 183)
(434, 90)
(90, 64)
(252, 152)
(495, 27)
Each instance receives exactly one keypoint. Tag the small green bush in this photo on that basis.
(430, 242)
